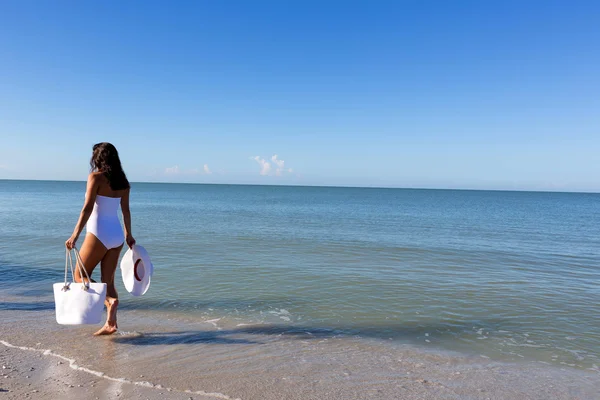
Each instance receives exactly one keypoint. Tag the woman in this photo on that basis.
(107, 187)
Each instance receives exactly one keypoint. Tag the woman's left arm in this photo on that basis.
(127, 219)
(86, 211)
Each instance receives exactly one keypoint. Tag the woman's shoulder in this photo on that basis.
(95, 176)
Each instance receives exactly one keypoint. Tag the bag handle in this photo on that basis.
(68, 262)
(86, 285)
(78, 265)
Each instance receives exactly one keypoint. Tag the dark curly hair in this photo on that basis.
(105, 159)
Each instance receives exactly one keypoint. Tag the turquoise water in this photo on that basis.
(505, 275)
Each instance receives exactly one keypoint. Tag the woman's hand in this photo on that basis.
(70, 243)
(130, 241)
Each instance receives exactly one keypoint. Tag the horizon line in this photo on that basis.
(323, 186)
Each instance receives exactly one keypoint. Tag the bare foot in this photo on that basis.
(106, 330)
(110, 326)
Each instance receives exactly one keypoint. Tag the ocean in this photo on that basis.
(508, 277)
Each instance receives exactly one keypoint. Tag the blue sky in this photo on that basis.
(448, 94)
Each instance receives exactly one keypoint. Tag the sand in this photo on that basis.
(29, 373)
(32, 375)
(169, 358)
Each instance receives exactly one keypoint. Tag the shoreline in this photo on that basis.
(40, 373)
(147, 326)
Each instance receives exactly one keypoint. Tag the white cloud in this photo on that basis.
(280, 164)
(276, 162)
(172, 170)
(177, 171)
(265, 166)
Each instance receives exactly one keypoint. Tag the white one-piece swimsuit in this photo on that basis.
(104, 222)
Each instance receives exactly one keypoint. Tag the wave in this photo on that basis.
(99, 374)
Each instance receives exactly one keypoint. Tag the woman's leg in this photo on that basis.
(108, 268)
(92, 251)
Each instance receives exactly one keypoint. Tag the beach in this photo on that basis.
(39, 373)
(312, 369)
(313, 293)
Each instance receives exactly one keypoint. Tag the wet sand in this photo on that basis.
(36, 373)
(169, 356)
(33, 375)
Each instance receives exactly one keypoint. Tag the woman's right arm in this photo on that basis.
(88, 206)
(127, 218)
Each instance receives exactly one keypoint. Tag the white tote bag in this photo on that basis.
(78, 303)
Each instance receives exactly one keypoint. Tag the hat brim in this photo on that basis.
(136, 270)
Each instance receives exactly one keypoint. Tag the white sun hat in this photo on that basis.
(136, 270)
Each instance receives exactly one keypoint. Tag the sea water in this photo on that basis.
(507, 276)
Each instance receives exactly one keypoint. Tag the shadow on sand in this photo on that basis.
(408, 332)
(399, 332)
